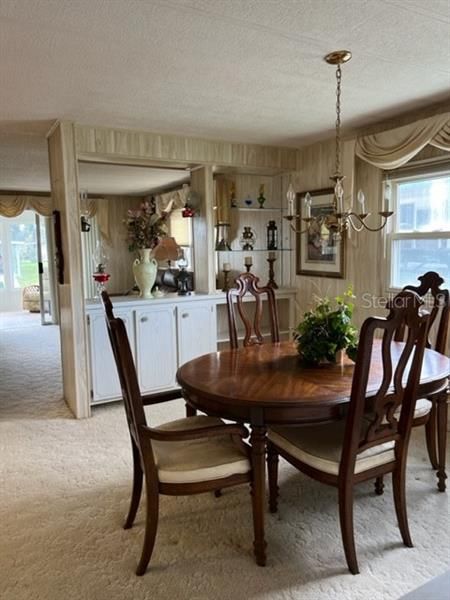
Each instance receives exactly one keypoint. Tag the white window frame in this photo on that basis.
(392, 234)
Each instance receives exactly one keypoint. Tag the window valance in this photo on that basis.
(392, 149)
(14, 205)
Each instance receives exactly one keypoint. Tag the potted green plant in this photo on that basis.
(326, 330)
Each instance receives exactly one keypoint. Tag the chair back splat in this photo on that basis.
(126, 369)
(247, 283)
(430, 283)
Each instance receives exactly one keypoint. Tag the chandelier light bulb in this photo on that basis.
(290, 195)
(308, 202)
(362, 201)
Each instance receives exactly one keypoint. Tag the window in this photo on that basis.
(18, 252)
(420, 237)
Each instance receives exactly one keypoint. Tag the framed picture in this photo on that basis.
(318, 254)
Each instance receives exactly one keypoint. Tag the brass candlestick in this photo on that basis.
(271, 283)
(226, 280)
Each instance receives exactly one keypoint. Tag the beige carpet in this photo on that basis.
(64, 489)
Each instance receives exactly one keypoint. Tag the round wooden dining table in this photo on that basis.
(266, 384)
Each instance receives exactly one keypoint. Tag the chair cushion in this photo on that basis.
(423, 407)
(320, 446)
(202, 459)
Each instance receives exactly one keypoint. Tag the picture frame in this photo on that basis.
(316, 253)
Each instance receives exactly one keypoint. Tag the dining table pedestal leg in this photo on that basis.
(258, 443)
(442, 412)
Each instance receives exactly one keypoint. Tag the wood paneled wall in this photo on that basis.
(64, 189)
(120, 259)
(364, 250)
(115, 144)
(203, 230)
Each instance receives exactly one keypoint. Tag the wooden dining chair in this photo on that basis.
(364, 445)
(431, 411)
(426, 412)
(186, 456)
(247, 283)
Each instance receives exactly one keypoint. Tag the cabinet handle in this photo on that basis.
(184, 315)
(144, 319)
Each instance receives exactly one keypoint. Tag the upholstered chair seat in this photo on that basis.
(423, 408)
(202, 459)
(320, 447)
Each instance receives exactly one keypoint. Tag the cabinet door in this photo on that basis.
(197, 330)
(156, 348)
(104, 378)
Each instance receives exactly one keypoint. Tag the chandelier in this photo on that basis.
(340, 219)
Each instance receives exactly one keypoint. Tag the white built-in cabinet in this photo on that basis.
(156, 347)
(165, 333)
(163, 336)
(197, 330)
(105, 383)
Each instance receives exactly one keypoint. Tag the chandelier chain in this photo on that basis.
(338, 119)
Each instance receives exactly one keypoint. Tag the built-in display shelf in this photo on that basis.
(256, 209)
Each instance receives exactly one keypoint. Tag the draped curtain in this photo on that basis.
(392, 149)
(13, 206)
(172, 200)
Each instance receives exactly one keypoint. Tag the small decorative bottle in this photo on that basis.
(272, 236)
(261, 199)
(248, 201)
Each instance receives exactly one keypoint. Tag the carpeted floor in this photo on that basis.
(64, 489)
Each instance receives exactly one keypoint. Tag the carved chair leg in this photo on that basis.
(217, 493)
(398, 482)
(379, 485)
(442, 412)
(137, 487)
(431, 435)
(151, 526)
(258, 444)
(272, 467)
(346, 520)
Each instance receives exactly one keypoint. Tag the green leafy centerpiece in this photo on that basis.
(327, 329)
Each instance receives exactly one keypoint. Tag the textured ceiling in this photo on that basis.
(242, 70)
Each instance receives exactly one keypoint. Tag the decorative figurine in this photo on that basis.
(272, 236)
(157, 293)
(261, 199)
(248, 201)
(248, 239)
(271, 259)
(226, 276)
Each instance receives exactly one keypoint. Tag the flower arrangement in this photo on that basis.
(146, 227)
(327, 329)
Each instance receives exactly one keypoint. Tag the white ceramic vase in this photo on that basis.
(144, 270)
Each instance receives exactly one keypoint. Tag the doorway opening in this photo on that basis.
(29, 352)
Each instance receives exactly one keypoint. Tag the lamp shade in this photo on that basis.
(167, 249)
